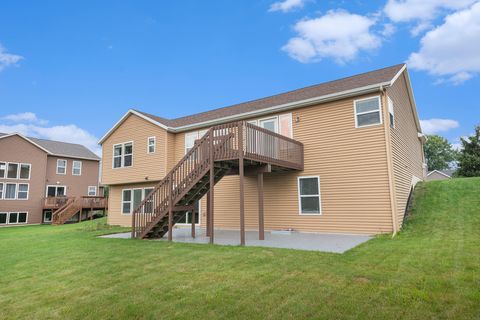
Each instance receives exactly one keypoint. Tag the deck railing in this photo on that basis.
(220, 143)
(85, 202)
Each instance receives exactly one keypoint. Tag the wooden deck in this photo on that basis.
(232, 148)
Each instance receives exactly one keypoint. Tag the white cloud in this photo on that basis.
(8, 59)
(287, 5)
(25, 116)
(451, 50)
(422, 12)
(66, 133)
(338, 34)
(434, 126)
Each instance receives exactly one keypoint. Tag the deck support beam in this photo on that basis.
(170, 211)
(261, 223)
(242, 184)
(212, 187)
(193, 221)
(208, 214)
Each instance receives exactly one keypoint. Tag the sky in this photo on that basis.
(70, 69)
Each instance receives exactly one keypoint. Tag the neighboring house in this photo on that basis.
(38, 176)
(340, 157)
(440, 174)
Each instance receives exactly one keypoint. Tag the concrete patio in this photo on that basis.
(335, 243)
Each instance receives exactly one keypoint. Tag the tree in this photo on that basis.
(439, 153)
(469, 159)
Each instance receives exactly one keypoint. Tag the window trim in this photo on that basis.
(28, 191)
(356, 114)
(123, 201)
(300, 196)
(56, 187)
(66, 165)
(29, 171)
(391, 112)
(122, 156)
(73, 167)
(17, 176)
(5, 190)
(131, 201)
(88, 191)
(154, 145)
(275, 118)
(18, 215)
(5, 170)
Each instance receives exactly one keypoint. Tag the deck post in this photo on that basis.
(193, 221)
(242, 182)
(261, 227)
(208, 214)
(212, 186)
(170, 210)
(91, 213)
(133, 223)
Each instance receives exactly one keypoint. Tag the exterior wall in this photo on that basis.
(407, 149)
(115, 217)
(437, 176)
(351, 163)
(16, 149)
(76, 186)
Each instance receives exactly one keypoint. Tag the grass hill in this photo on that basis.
(430, 270)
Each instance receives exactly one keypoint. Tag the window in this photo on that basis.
(47, 216)
(13, 217)
(190, 140)
(22, 191)
(127, 201)
(77, 168)
(148, 203)
(132, 198)
(367, 112)
(151, 144)
(10, 191)
(391, 113)
(56, 191)
(3, 169)
(123, 155)
(61, 166)
(309, 195)
(92, 191)
(12, 171)
(25, 171)
(270, 124)
(1, 190)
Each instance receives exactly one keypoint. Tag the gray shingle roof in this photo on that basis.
(65, 149)
(322, 89)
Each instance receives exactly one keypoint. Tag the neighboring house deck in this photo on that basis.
(338, 157)
(40, 178)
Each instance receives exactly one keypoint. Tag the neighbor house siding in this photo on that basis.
(407, 149)
(145, 166)
(77, 186)
(17, 149)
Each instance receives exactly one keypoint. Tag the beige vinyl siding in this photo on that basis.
(153, 166)
(115, 216)
(351, 163)
(353, 174)
(407, 150)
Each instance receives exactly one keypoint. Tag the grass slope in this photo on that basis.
(430, 270)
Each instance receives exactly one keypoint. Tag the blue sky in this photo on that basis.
(69, 70)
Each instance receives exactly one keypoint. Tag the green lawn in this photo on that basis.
(430, 270)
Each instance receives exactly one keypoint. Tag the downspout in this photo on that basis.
(388, 147)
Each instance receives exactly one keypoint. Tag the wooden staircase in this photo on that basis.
(217, 152)
(67, 211)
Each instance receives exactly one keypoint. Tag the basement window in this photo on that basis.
(309, 195)
(367, 112)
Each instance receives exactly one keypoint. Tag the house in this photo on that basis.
(41, 178)
(440, 174)
(339, 157)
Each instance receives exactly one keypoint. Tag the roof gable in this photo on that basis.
(57, 148)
